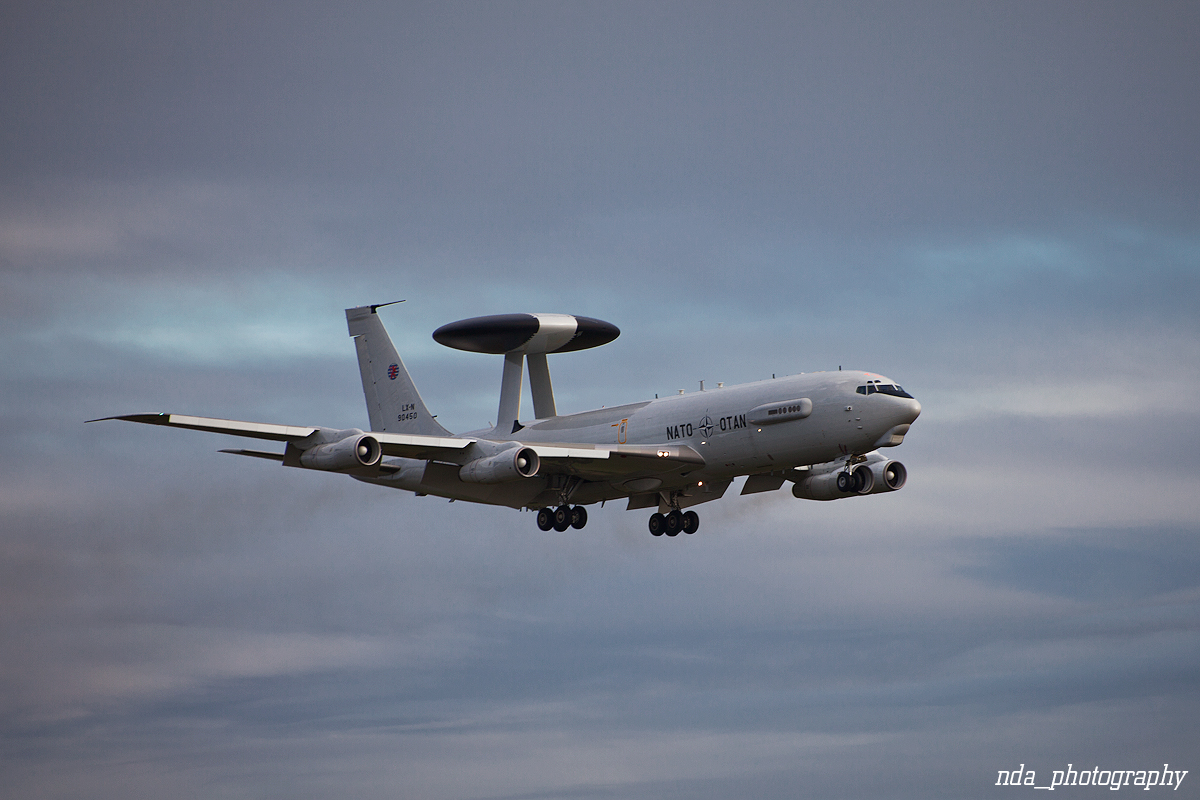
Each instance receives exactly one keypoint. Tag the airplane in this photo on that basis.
(821, 431)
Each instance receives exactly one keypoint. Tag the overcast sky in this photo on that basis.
(997, 205)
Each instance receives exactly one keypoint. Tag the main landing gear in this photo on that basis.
(565, 516)
(562, 518)
(671, 524)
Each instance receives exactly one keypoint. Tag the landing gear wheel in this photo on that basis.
(859, 483)
(578, 517)
(545, 519)
(845, 482)
(691, 522)
(674, 523)
(658, 524)
(562, 518)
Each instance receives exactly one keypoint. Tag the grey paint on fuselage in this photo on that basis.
(716, 423)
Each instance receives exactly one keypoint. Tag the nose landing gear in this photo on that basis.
(855, 479)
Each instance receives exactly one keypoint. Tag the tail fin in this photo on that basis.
(393, 403)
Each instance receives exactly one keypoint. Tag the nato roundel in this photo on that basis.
(526, 333)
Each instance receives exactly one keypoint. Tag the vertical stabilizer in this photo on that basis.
(393, 403)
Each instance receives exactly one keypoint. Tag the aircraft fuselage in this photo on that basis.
(770, 425)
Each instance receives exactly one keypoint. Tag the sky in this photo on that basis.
(996, 205)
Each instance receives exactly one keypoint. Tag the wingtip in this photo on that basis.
(131, 418)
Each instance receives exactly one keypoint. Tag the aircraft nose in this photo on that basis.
(914, 409)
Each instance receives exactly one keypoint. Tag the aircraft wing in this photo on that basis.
(393, 444)
(254, 430)
(593, 461)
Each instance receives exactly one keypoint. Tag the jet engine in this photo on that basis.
(507, 465)
(889, 476)
(353, 452)
(874, 478)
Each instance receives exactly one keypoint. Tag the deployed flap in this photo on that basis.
(385, 469)
(437, 448)
(607, 462)
(393, 403)
(764, 482)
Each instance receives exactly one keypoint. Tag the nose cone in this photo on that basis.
(913, 409)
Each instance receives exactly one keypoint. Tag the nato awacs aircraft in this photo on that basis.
(821, 431)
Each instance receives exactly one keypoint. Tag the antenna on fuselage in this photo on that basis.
(520, 338)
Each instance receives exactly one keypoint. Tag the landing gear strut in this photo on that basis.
(854, 479)
(565, 516)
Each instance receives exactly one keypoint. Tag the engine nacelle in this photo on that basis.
(507, 465)
(833, 484)
(353, 452)
(873, 478)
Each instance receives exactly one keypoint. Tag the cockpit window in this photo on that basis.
(893, 390)
(883, 388)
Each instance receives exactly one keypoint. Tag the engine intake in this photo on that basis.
(889, 476)
(509, 465)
